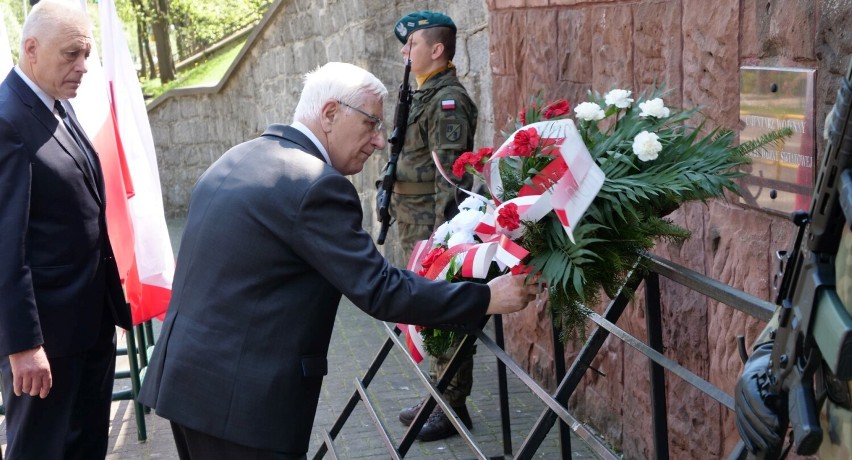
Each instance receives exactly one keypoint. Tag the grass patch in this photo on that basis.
(204, 73)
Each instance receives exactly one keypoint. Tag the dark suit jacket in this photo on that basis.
(272, 239)
(57, 272)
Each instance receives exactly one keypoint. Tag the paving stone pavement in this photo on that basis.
(356, 340)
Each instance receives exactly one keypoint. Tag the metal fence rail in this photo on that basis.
(556, 403)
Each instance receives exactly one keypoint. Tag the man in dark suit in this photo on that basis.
(272, 240)
(60, 292)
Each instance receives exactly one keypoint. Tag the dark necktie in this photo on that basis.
(77, 135)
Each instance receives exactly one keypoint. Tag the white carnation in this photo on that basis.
(654, 108)
(647, 146)
(619, 98)
(589, 111)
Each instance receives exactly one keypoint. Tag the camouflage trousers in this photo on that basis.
(410, 234)
(459, 388)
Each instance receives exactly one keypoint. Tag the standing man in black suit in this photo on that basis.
(272, 240)
(60, 292)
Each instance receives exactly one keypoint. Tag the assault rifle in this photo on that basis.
(397, 139)
(814, 328)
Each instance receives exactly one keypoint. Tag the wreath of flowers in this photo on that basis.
(650, 162)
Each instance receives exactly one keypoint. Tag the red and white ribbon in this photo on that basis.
(567, 186)
(414, 341)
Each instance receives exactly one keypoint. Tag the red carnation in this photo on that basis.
(460, 165)
(508, 217)
(525, 141)
(482, 155)
(556, 109)
(474, 160)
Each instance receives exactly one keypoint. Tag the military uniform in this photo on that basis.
(442, 118)
(835, 394)
(836, 421)
(835, 417)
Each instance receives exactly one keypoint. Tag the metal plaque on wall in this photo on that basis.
(780, 178)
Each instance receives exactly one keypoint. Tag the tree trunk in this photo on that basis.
(145, 56)
(160, 27)
(140, 39)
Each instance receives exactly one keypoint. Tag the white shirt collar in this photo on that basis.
(307, 132)
(46, 98)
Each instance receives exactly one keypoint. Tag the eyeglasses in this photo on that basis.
(377, 122)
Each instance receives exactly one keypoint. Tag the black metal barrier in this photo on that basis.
(556, 402)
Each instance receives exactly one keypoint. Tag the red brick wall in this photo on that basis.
(564, 48)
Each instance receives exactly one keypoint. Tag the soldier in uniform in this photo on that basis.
(442, 118)
(836, 417)
(759, 425)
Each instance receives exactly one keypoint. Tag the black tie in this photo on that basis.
(77, 135)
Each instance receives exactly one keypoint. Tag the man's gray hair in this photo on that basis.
(49, 17)
(336, 81)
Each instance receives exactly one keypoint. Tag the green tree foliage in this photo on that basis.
(12, 15)
(177, 29)
(201, 23)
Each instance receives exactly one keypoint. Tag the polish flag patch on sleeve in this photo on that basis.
(448, 104)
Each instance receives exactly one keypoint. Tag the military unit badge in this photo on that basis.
(452, 131)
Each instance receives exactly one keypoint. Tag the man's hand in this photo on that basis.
(510, 293)
(380, 195)
(31, 372)
(759, 425)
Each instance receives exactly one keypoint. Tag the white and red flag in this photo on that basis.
(110, 107)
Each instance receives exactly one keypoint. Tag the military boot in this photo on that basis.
(438, 425)
(406, 416)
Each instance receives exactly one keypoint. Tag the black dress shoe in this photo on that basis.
(406, 416)
(438, 425)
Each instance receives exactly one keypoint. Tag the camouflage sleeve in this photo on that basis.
(451, 135)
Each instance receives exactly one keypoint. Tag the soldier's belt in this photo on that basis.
(414, 188)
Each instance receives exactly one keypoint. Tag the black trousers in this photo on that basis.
(195, 445)
(73, 421)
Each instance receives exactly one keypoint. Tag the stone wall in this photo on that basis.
(508, 51)
(192, 127)
(695, 48)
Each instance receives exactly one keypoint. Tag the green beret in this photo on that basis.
(420, 20)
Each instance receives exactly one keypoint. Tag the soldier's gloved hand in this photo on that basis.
(759, 425)
(380, 196)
